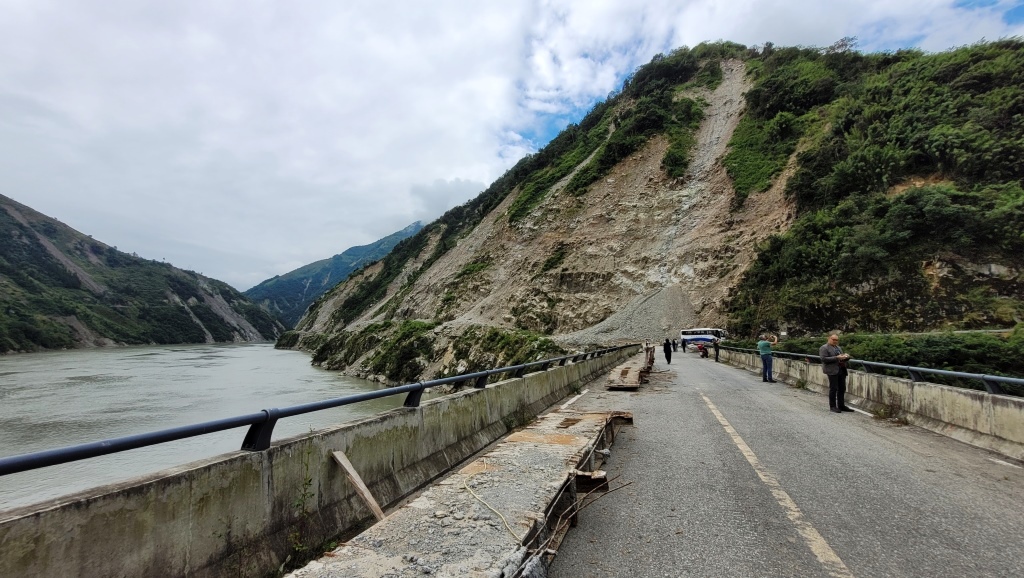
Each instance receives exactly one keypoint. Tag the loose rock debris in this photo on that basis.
(497, 517)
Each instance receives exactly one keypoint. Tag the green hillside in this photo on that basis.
(62, 289)
(289, 295)
(908, 189)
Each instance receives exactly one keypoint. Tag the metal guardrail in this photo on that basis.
(991, 382)
(261, 424)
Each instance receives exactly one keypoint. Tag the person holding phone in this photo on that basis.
(833, 364)
(764, 348)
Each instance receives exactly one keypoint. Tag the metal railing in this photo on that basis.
(261, 424)
(991, 382)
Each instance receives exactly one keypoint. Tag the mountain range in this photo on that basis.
(289, 295)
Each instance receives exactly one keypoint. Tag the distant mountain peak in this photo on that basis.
(290, 294)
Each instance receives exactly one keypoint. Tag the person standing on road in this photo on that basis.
(683, 343)
(833, 364)
(715, 344)
(764, 347)
(668, 350)
(674, 345)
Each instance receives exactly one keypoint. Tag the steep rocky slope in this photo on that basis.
(639, 255)
(762, 189)
(62, 289)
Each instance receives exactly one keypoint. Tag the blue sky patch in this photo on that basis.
(1014, 15)
(549, 128)
(974, 4)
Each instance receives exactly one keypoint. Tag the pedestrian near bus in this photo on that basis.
(715, 344)
(833, 364)
(667, 346)
(674, 345)
(764, 347)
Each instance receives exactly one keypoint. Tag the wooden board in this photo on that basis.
(342, 459)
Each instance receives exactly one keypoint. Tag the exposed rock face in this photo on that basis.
(62, 289)
(639, 255)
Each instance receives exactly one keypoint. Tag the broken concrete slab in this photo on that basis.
(501, 514)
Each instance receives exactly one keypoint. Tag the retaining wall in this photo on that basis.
(993, 422)
(246, 513)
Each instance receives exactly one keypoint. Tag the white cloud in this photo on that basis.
(244, 139)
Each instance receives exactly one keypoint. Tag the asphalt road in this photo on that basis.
(723, 475)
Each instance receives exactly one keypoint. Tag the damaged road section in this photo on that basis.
(502, 515)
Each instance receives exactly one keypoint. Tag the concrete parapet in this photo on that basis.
(247, 513)
(992, 422)
(528, 481)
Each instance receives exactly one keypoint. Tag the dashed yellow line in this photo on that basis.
(814, 540)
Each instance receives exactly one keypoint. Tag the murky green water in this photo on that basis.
(50, 400)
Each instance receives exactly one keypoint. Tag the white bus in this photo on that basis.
(703, 334)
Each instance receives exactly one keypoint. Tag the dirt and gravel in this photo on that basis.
(644, 254)
(474, 523)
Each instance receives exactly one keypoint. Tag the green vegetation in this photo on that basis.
(340, 350)
(790, 84)
(982, 353)
(555, 259)
(710, 75)
(400, 351)
(133, 300)
(908, 191)
(651, 94)
(399, 358)
(289, 295)
(650, 107)
(760, 150)
(288, 340)
(481, 348)
(570, 148)
(909, 187)
(473, 268)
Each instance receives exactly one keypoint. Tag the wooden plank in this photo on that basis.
(342, 459)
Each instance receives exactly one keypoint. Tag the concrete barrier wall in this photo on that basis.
(246, 513)
(993, 422)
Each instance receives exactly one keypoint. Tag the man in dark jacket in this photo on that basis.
(668, 350)
(833, 364)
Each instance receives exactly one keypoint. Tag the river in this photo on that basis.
(58, 399)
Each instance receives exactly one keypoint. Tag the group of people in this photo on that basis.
(670, 345)
(833, 365)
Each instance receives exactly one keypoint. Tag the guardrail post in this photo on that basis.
(915, 375)
(545, 366)
(519, 372)
(257, 438)
(481, 382)
(561, 362)
(991, 386)
(413, 399)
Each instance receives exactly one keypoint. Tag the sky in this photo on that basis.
(243, 139)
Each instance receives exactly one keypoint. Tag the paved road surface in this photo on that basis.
(729, 476)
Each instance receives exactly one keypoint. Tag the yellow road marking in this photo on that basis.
(819, 547)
